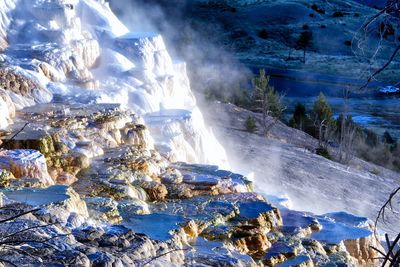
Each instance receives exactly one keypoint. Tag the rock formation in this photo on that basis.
(110, 118)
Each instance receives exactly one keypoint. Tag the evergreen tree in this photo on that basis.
(250, 124)
(323, 119)
(371, 138)
(304, 42)
(274, 103)
(322, 110)
(267, 100)
(299, 117)
(388, 139)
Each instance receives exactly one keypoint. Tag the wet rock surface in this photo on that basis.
(128, 204)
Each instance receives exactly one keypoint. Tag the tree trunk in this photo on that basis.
(289, 55)
(265, 112)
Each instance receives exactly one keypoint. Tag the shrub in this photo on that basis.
(338, 14)
(317, 9)
(239, 34)
(263, 34)
(376, 172)
(388, 139)
(250, 124)
(386, 29)
(323, 26)
(240, 97)
(371, 138)
(323, 152)
(306, 27)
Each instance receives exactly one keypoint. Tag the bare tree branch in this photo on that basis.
(18, 215)
(164, 254)
(14, 136)
(382, 68)
(28, 229)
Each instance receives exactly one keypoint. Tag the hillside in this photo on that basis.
(264, 33)
(285, 163)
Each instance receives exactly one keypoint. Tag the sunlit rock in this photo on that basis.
(178, 134)
(21, 88)
(27, 182)
(157, 226)
(172, 176)
(155, 191)
(210, 180)
(6, 177)
(132, 207)
(280, 252)
(26, 163)
(62, 196)
(360, 241)
(57, 45)
(7, 109)
(298, 223)
(213, 253)
(147, 50)
(103, 209)
(6, 6)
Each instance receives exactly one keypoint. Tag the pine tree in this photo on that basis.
(250, 124)
(299, 117)
(304, 41)
(267, 100)
(323, 119)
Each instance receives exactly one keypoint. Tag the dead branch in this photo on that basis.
(13, 137)
(18, 215)
(391, 257)
(28, 229)
(373, 18)
(382, 68)
(164, 254)
(387, 204)
(8, 262)
(43, 241)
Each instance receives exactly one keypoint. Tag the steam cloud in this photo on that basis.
(195, 42)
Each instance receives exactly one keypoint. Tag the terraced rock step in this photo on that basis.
(119, 179)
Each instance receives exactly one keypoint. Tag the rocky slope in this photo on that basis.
(311, 182)
(103, 158)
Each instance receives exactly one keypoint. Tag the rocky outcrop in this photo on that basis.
(61, 196)
(26, 163)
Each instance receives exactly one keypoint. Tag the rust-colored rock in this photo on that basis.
(17, 83)
(256, 244)
(155, 191)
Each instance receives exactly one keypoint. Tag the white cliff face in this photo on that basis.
(5, 6)
(79, 50)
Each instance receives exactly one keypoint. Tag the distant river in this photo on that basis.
(367, 108)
